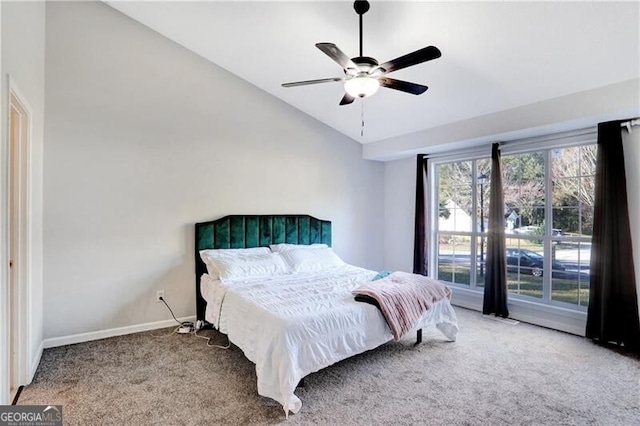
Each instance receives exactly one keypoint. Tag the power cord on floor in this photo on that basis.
(187, 327)
(228, 345)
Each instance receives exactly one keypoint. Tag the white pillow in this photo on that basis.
(312, 259)
(250, 266)
(208, 256)
(280, 248)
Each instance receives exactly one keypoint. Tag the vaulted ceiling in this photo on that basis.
(495, 56)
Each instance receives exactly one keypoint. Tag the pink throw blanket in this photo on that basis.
(404, 298)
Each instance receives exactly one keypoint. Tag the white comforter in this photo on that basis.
(293, 325)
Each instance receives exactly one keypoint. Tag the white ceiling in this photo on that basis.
(495, 56)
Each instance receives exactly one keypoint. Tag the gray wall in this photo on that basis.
(143, 139)
(399, 214)
(565, 113)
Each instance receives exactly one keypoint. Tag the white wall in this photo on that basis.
(143, 139)
(631, 147)
(23, 27)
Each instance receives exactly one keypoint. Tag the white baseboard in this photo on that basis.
(35, 362)
(112, 332)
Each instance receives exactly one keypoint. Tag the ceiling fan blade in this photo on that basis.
(403, 86)
(307, 82)
(347, 99)
(419, 56)
(334, 52)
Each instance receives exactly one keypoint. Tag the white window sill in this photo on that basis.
(549, 316)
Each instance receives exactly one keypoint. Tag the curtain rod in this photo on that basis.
(630, 123)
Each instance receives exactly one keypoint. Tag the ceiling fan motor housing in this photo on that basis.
(365, 65)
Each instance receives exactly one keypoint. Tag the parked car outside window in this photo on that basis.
(528, 261)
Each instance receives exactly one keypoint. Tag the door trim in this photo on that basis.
(19, 221)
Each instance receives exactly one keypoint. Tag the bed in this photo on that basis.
(293, 324)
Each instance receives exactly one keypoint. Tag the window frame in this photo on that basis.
(545, 143)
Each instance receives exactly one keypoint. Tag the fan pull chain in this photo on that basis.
(362, 118)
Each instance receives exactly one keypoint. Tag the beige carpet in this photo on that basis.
(494, 374)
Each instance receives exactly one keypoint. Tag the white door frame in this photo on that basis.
(19, 135)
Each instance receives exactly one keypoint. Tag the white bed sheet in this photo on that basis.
(294, 325)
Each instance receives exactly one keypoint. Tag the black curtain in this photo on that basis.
(613, 303)
(495, 280)
(420, 262)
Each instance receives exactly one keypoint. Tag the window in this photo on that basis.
(548, 195)
(524, 186)
(573, 191)
(463, 205)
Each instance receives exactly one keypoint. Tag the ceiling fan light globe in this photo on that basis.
(361, 87)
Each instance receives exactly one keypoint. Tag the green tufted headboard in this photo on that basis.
(244, 231)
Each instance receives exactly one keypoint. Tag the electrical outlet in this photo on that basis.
(159, 294)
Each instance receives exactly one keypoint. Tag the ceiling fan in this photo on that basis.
(363, 75)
